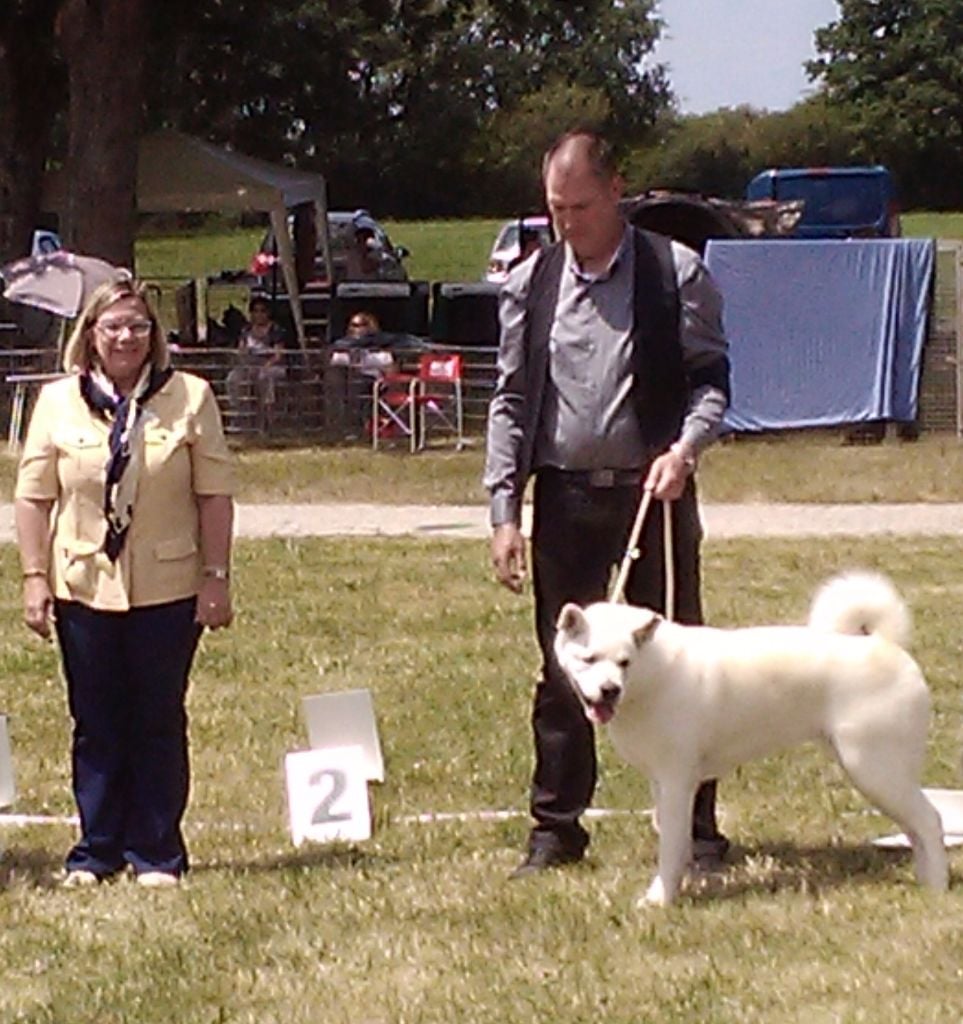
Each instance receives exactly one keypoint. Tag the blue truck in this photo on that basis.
(839, 202)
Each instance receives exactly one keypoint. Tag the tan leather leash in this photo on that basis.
(632, 554)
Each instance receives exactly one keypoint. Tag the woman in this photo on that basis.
(129, 458)
(261, 352)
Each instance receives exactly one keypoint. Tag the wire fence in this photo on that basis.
(327, 403)
(314, 400)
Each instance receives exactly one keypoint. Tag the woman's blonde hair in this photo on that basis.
(78, 352)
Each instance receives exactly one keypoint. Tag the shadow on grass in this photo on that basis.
(30, 868)
(778, 867)
(333, 858)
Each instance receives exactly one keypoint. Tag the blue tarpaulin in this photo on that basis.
(823, 332)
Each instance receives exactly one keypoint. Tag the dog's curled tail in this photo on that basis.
(861, 603)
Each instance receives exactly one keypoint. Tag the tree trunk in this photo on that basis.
(103, 44)
(31, 91)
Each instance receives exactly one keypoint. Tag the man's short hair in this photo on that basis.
(599, 153)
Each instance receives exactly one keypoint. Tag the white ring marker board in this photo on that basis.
(327, 795)
(949, 803)
(346, 719)
(8, 789)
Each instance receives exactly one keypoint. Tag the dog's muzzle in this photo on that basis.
(602, 710)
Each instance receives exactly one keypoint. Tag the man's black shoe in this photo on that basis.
(543, 859)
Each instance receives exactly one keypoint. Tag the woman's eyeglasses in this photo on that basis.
(114, 329)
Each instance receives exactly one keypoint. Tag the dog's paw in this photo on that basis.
(655, 895)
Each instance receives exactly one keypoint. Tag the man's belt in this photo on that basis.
(598, 477)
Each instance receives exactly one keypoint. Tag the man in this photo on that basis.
(613, 376)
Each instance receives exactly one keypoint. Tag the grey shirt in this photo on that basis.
(587, 418)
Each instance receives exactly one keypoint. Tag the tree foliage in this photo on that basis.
(402, 103)
(402, 100)
(717, 153)
(896, 68)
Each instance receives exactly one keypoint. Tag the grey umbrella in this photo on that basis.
(60, 282)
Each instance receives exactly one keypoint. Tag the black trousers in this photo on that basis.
(127, 676)
(579, 533)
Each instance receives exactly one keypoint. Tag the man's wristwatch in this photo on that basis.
(688, 459)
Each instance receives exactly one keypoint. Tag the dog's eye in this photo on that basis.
(622, 663)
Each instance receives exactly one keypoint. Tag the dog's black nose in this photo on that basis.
(609, 692)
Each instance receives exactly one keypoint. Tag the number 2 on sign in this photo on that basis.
(339, 782)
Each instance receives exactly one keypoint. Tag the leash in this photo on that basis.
(632, 554)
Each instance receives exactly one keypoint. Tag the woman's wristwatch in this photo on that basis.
(216, 572)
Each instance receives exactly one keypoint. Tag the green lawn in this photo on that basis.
(809, 924)
(441, 250)
(446, 250)
(800, 467)
(921, 224)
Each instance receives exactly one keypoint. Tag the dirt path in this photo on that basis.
(471, 521)
(720, 520)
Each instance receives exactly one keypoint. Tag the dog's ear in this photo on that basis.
(571, 621)
(642, 634)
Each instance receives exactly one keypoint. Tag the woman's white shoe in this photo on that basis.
(79, 880)
(157, 879)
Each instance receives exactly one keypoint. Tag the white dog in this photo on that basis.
(687, 703)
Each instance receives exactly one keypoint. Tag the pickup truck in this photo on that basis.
(838, 202)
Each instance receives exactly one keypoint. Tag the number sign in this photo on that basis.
(328, 795)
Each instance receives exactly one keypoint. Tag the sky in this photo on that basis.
(723, 53)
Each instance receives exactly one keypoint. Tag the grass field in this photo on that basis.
(921, 224)
(816, 467)
(441, 250)
(809, 924)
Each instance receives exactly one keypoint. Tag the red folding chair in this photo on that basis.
(410, 405)
(392, 410)
(436, 397)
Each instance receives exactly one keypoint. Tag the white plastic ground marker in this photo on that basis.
(343, 719)
(328, 795)
(8, 789)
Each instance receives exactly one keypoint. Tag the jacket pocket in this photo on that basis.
(80, 563)
(77, 437)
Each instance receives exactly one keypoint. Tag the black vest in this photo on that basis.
(660, 387)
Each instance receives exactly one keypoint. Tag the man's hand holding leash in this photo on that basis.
(669, 472)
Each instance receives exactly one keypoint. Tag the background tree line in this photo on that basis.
(441, 107)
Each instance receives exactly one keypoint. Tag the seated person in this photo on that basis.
(363, 256)
(260, 360)
(363, 356)
(364, 346)
(363, 324)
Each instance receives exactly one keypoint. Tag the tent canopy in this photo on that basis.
(180, 173)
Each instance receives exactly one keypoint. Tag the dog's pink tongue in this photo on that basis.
(601, 713)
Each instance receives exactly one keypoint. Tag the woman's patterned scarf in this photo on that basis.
(126, 413)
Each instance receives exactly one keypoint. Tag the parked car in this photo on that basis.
(688, 217)
(507, 247)
(839, 202)
(693, 219)
(360, 251)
